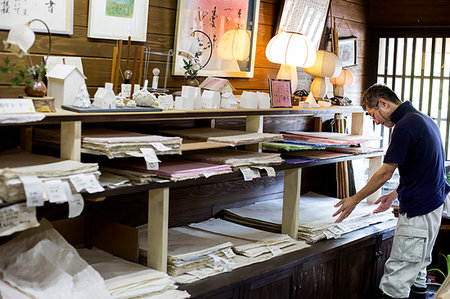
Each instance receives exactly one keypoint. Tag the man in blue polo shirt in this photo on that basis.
(416, 149)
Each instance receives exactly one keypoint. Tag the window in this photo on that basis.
(416, 65)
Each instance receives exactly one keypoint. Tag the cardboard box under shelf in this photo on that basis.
(84, 231)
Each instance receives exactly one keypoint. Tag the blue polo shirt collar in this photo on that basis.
(401, 111)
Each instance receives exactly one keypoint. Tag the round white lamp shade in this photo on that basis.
(188, 47)
(291, 48)
(319, 87)
(326, 64)
(344, 78)
(20, 39)
(234, 45)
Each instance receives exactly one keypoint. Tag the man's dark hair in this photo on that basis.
(375, 92)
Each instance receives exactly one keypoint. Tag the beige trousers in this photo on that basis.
(411, 253)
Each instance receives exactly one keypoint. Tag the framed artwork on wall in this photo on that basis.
(118, 19)
(347, 51)
(305, 16)
(57, 14)
(280, 93)
(231, 26)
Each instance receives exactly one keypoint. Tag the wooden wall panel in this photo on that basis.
(408, 13)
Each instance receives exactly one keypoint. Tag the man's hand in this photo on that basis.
(347, 205)
(386, 202)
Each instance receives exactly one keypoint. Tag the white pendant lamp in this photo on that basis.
(291, 48)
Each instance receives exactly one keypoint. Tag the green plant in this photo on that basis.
(192, 66)
(22, 73)
(447, 260)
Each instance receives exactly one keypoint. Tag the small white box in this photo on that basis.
(263, 100)
(165, 102)
(190, 91)
(249, 100)
(211, 99)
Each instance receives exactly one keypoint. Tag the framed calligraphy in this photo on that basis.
(280, 93)
(305, 16)
(232, 28)
(118, 19)
(57, 14)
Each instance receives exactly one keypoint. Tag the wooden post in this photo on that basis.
(291, 202)
(357, 123)
(26, 138)
(158, 228)
(71, 140)
(254, 124)
(116, 75)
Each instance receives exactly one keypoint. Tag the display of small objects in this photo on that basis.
(144, 98)
(82, 99)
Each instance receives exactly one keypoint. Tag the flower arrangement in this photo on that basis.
(22, 73)
(192, 66)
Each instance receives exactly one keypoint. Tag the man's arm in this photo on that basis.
(347, 205)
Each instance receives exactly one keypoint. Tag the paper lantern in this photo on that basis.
(344, 79)
(234, 45)
(291, 48)
(326, 64)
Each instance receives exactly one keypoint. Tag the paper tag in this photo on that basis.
(160, 147)
(208, 174)
(55, 191)
(249, 174)
(270, 171)
(76, 201)
(92, 184)
(16, 218)
(34, 191)
(16, 105)
(229, 253)
(150, 158)
(78, 181)
(275, 250)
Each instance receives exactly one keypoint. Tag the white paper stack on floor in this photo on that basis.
(125, 279)
(230, 137)
(120, 144)
(199, 251)
(315, 221)
(17, 162)
(235, 158)
(53, 267)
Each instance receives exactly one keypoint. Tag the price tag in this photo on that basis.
(208, 174)
(76, 201)
(270, 171)
(150, 158)
(160, 147)
(92, 184)
(86, 181)
(16, 218)
(249, 174)
(78, 182)
(16, 105)
(229, 253)
(34, 191)
(275, 250)
(55, 191)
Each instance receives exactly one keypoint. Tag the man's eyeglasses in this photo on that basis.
(377, 107)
